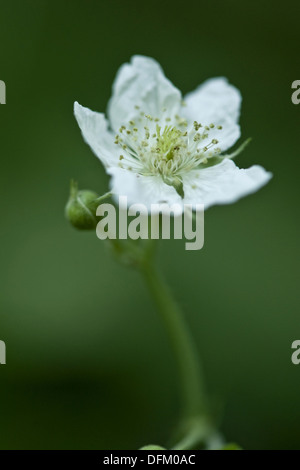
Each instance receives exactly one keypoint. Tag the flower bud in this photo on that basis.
(81, 208)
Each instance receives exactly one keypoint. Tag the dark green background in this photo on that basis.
(88, 365)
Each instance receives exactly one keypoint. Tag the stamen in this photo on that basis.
(197, 125)
(160, 147)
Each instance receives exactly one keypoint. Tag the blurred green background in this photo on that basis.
(88, 365)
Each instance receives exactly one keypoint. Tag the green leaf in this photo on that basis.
(152, 447)
(232, 446)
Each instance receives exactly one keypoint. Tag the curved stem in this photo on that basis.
(190, 371)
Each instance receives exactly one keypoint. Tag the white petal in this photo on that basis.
(141, 83)
(217, 102)
(224, 183)
(145, 190)
(96, 134)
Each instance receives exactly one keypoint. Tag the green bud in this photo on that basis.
(81, 208)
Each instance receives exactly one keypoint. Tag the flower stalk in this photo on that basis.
(195, 422)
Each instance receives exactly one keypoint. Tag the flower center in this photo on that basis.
(166, 147)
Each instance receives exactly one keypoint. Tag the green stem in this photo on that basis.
(194, 401)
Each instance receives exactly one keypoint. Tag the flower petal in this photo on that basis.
(141, 189)
(141, 83)
(217, 102)
(95, 133)
(224, 183)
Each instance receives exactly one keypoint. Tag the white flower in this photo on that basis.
(158, 148)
